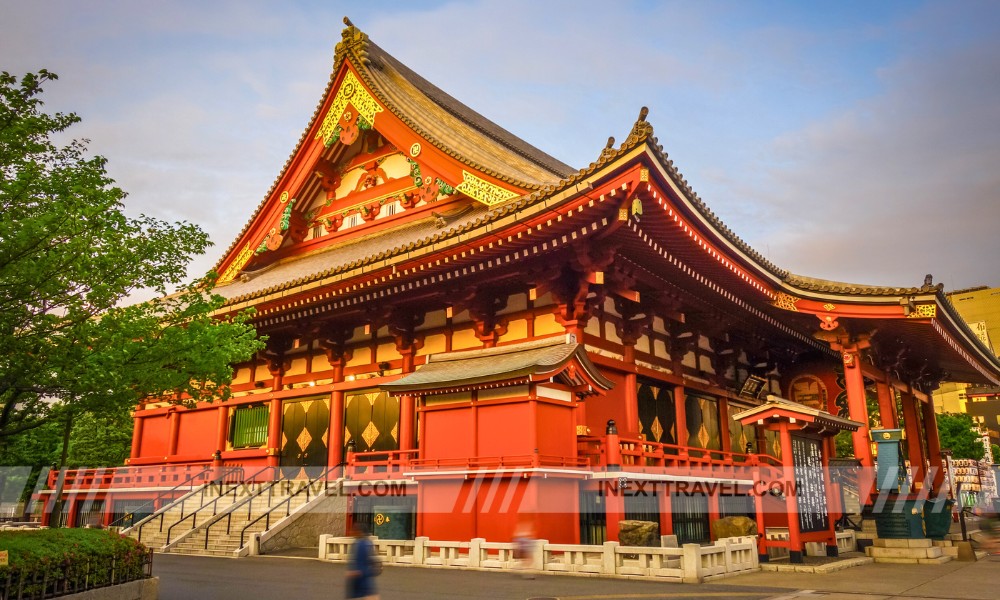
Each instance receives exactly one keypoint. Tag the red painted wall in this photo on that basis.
(556, 430)
(197, 433)
(504, 430)
(155, 432)
(449, 434)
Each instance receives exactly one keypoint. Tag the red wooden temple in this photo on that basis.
(503, 336)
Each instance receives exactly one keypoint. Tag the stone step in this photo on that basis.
(912, 554)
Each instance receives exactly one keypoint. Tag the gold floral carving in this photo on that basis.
(830, 307)
(353, 92)
(483, 191)
(923, 311)
(786, 302)
(241, 260)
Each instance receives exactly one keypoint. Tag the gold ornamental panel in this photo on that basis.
(353, 92)
(483, 191)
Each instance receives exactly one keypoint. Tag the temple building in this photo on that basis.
(505, 337)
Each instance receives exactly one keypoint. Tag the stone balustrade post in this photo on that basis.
(322, 546)
(691, 563)
(420, 550)
(609, 562)
(476, 552)
(538, 554)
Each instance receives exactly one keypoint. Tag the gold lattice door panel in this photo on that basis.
(703, 422)
(740, 435)
(371, 419)
(305, 432)
(657, 416)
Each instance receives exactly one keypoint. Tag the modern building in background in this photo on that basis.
(979, 307)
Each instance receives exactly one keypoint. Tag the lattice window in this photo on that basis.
(249, 426)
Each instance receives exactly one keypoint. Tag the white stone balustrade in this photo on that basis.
(690, 563)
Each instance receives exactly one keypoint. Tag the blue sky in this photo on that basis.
(854, 141)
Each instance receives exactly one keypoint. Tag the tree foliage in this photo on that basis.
(957, 433)
(69, 258)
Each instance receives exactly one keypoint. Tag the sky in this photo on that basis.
(852, 141)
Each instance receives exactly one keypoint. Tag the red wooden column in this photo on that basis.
(335, 451)
(791, 502)
(137, 427)
(222, 429)
(631, 425)
(933, 445)
(758, 504)
(725, 441)
(887, 405)
(337, 356)
(915, 450)
(857, 405)
(174, 431)
(680, 410)
(407, 404)
(274, 433)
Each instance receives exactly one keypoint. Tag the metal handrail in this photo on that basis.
(287, 502)
(249, 502)
(161, 513)
(157, 499)
(214, 504)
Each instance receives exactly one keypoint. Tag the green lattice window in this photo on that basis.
(249, 426)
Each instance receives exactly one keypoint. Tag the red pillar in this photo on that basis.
(222, 428)
(713, 513)
(791, 502)
(915, 450)
(933, 444)
(726, 441)
(886, 405)
(407, 414)
(758, 503)
(631, 425)
(857, 405)
(175, 429)
(274, 433)
(137, 426)
(335, 451)
(680, 410)
(614, 511)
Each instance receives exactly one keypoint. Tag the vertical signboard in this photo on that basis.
(810, 486)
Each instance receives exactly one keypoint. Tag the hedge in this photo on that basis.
(53, 550)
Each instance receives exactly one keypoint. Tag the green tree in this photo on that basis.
(69, 259)
(957, 433)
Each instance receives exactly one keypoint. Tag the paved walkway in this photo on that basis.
(952, 581)
(301, 578)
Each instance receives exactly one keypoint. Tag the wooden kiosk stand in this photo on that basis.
(803, 479)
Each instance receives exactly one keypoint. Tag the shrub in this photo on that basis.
(99, 556)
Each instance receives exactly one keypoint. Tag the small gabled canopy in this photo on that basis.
(560, 359)
(778, 409)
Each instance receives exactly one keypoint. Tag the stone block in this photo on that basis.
(734, 527)
(639, 533)
(940, 560)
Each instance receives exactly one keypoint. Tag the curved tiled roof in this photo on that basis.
(453, 127)
(814, 284)
(538, 358)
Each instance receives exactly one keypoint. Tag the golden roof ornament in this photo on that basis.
(641, 129)
(609, 149)
(353, 40)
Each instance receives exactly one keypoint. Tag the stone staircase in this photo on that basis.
(221, 534)
(181, 517)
